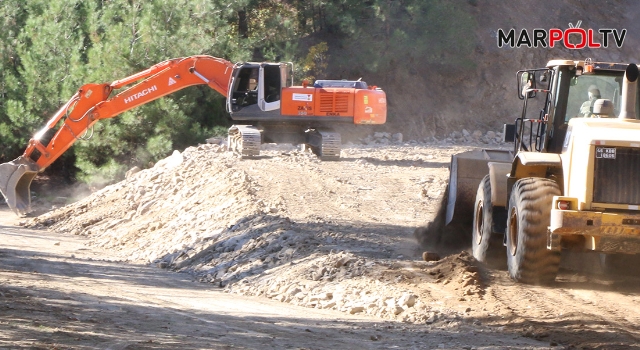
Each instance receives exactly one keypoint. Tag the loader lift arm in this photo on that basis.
(93, 102)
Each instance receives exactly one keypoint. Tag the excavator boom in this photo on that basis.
(93, 102)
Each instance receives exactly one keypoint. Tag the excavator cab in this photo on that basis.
(255, 88)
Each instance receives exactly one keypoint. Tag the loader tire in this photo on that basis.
(528, 259)
(485, 246)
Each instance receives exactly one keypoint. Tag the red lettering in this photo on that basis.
(583, 38)
(592, 44)
(555, 34)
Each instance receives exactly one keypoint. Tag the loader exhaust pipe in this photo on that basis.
(15, 183)
(629, 91)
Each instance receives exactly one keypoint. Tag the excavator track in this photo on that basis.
(244, 140)
(325, 144)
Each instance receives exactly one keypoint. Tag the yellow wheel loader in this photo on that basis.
(569, 183)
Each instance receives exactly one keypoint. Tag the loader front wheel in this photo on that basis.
(486, 248)
(528, 259)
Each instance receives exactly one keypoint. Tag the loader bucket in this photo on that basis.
(467, 170)
(15, 183)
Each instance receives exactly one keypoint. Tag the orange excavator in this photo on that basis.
(260, 97)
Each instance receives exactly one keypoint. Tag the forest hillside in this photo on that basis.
(437, 60)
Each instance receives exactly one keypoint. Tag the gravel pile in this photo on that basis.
(222, 219)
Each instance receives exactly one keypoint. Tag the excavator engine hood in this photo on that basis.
(15, 183)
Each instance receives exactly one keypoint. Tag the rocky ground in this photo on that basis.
(335, 236)
(58, 293)
(331, 235)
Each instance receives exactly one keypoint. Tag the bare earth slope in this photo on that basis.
(337, 236)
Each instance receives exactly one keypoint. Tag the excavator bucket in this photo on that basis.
(15, 183)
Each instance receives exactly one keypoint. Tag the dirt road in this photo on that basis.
(56, 293)
(330, 243)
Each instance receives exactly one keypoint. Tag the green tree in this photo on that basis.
(50, 53)
(130, 37)
(13, 16)
(49, 48)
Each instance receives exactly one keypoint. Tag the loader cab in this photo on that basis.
(554, 95)
(256, 87)
(580, 86)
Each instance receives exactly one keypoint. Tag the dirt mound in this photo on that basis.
(332, 235)
(163, 211)
(336, 236)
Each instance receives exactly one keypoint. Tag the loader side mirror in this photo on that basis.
(526, 81)
(509, 133)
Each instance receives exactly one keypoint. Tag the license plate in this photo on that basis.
(606, 152)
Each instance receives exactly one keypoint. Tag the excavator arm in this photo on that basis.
(93, 102)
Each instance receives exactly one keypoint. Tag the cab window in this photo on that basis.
(585, 89)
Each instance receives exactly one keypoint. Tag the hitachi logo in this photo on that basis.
(140, 94)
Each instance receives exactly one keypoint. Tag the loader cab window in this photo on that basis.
(584, 90)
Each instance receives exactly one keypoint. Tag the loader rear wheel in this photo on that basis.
(528, 259)
(485, 247)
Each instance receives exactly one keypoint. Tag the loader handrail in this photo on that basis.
(533, 138)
